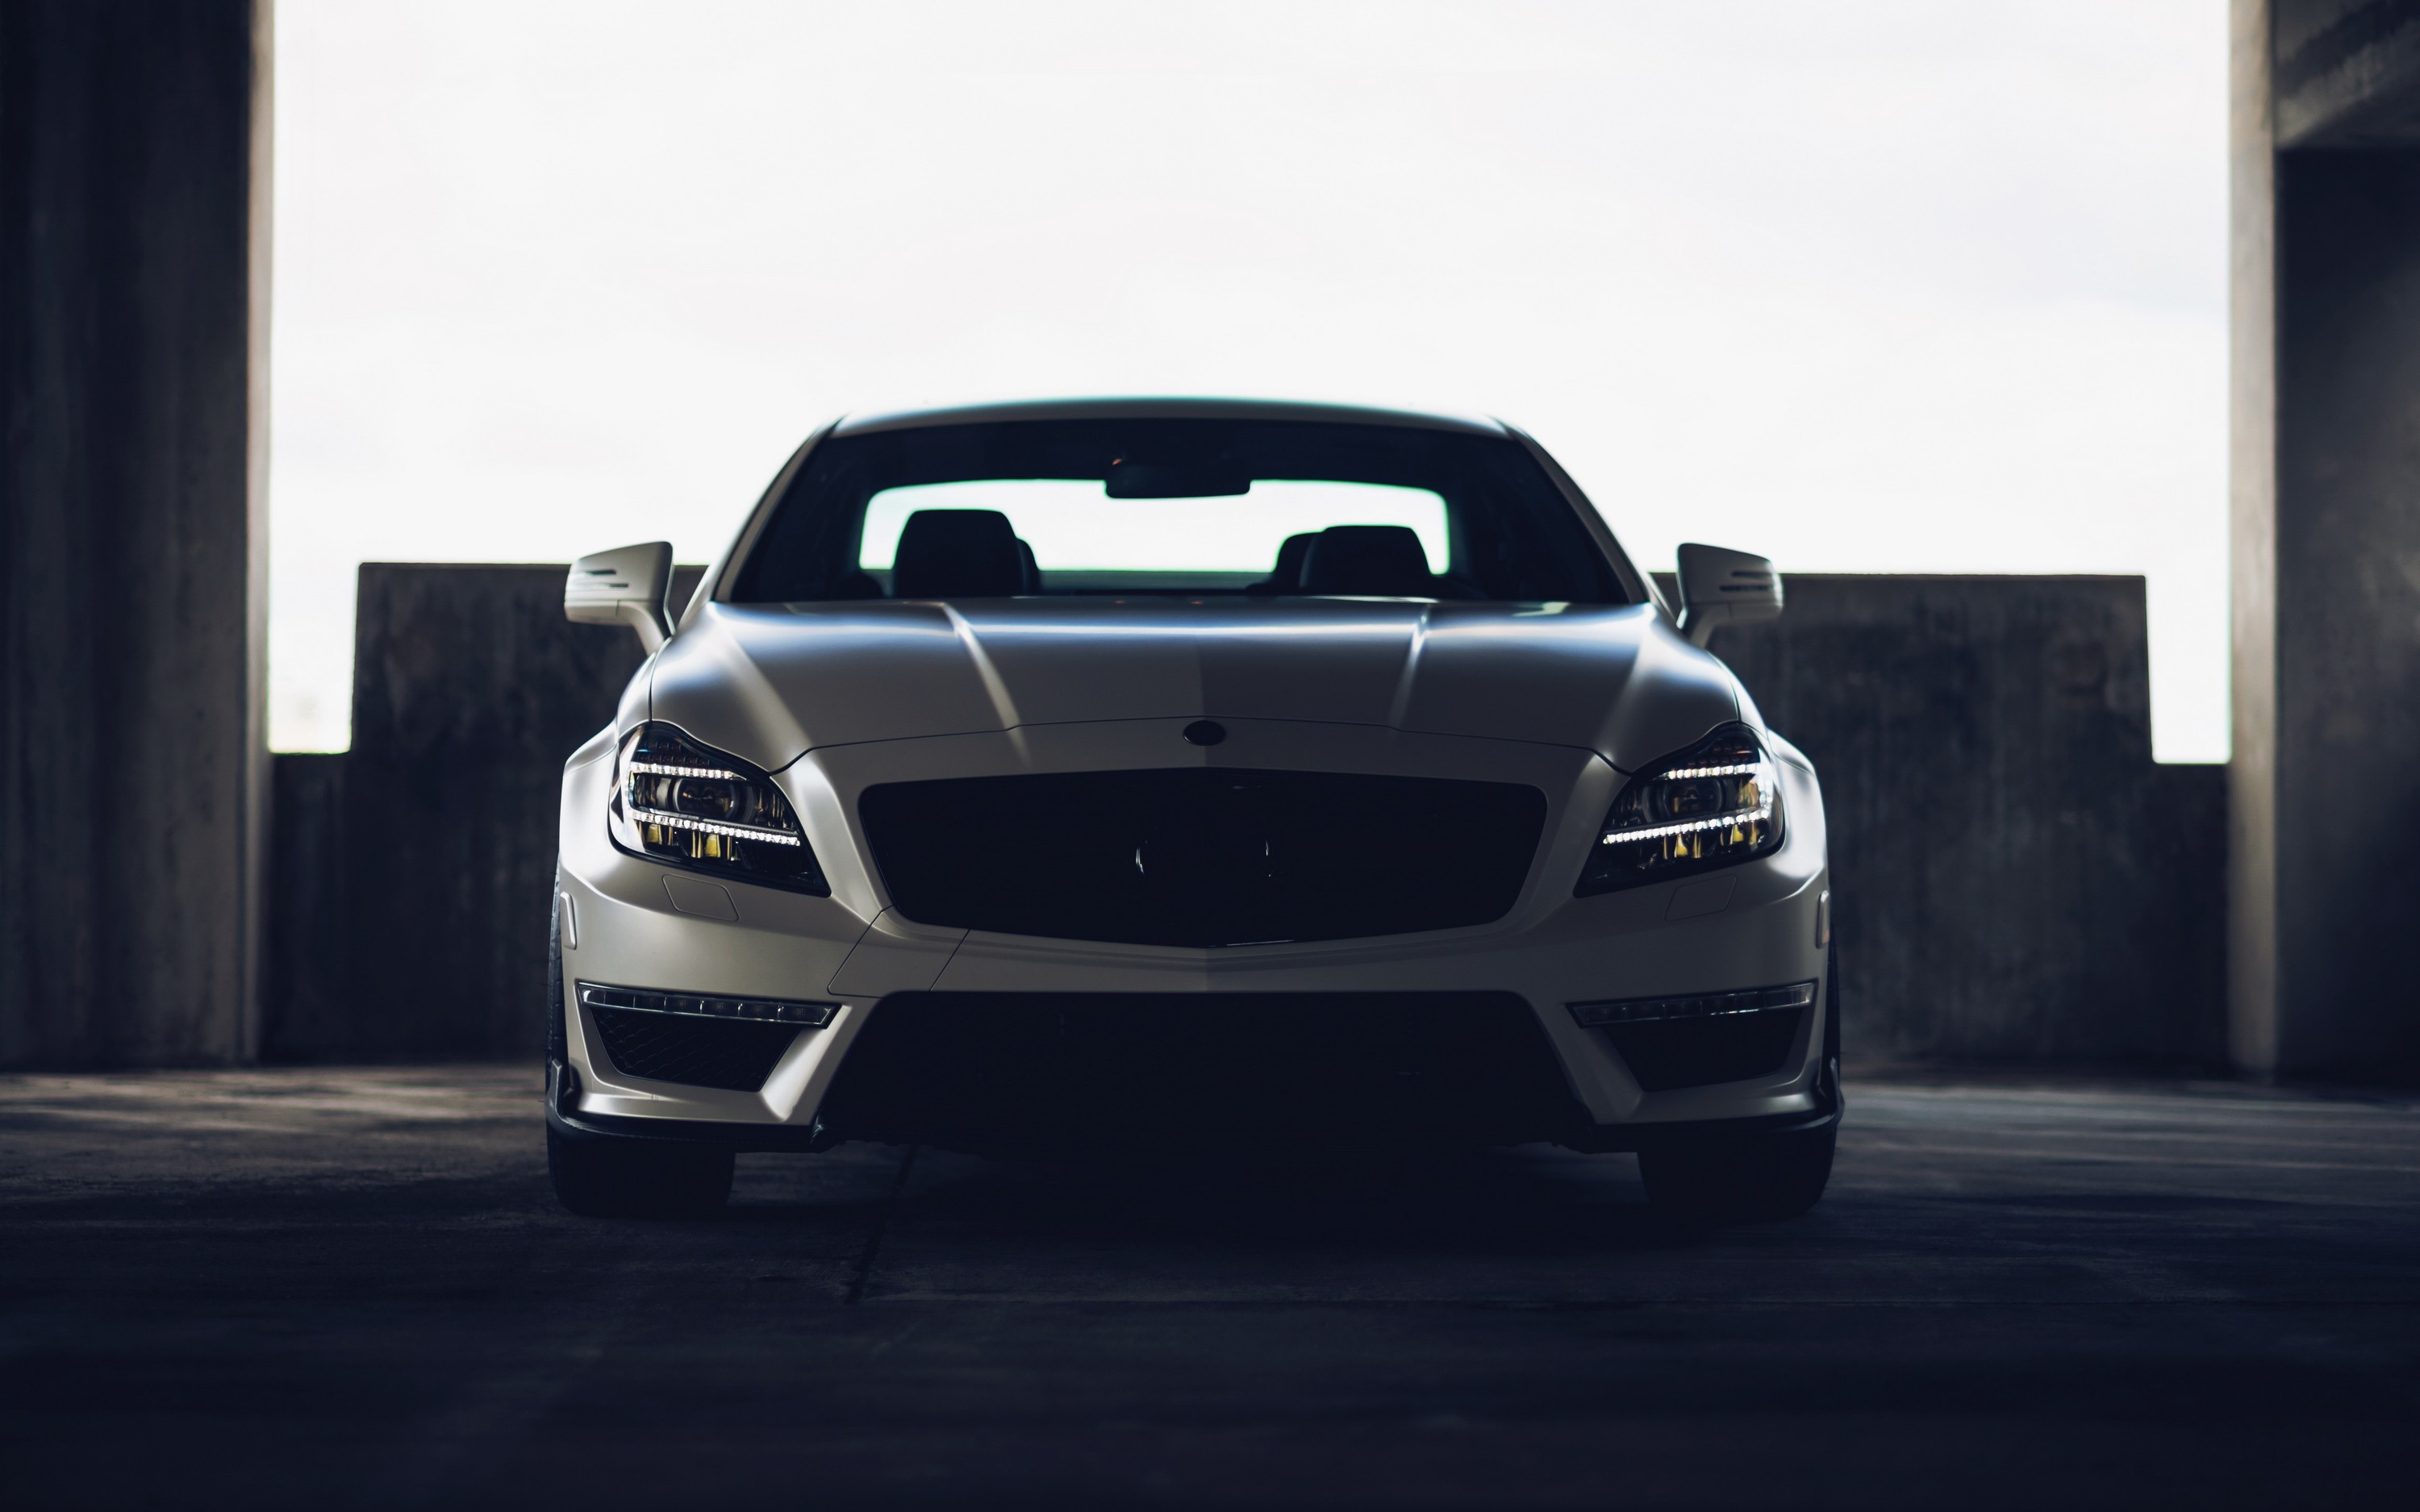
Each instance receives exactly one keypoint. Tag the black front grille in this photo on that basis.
(994, 1070)
(1699, 1052)
(695, 1052)
(1203, 858)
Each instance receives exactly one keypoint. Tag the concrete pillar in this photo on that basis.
(134, 309)
(2325, 830)
(2252, 768)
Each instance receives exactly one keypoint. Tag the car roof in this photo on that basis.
(1165, 409)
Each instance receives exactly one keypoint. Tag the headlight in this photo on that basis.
(687, 805)
(1715, 804)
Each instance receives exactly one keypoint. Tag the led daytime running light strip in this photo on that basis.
(711, 827)
(1598, 1016)
(698, 1005)
(1763, 810)
(1743, 769)
(660, 770)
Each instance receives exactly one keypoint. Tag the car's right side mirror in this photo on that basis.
(627, 585)
(1720, 587)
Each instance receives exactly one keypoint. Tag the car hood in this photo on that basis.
(768, 683)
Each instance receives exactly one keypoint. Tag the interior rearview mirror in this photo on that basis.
(1720, 587)
(627, 585)
(1130, 479)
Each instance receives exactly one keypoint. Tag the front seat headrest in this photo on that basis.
(958, 553)
(1379, 560)
(1291, 556)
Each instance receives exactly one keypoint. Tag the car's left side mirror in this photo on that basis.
(1720, 587)
(627, 585)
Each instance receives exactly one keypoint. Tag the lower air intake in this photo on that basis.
(1731, 1047)
(1004, 1070)
(694, 1052)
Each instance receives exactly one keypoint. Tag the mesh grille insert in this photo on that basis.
(694, 1052)
(1203, 857)
(1730, 1047)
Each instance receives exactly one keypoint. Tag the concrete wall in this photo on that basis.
(2346, 73)
(134, 245)
(2327, 535)
(2016, 881)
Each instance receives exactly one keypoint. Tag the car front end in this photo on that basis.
(1010, 871)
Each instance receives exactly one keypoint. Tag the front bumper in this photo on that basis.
(1755, 925)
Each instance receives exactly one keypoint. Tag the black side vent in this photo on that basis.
(1731, 1047)
(694, 1052)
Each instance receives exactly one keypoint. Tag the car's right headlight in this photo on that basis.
(690, 806)
(1717, 803)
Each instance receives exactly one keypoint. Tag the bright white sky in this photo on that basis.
(1864, 287)
(1079, 526)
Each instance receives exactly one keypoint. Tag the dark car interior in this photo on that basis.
(975, 553)
(1511, 534)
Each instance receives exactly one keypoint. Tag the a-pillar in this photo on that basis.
(134, 309)
(2324, 888)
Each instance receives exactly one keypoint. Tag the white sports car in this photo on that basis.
(1187, 773)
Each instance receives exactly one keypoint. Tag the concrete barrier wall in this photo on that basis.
(2016, 881)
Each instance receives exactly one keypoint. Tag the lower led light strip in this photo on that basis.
(1690, 826)
(698, 1005)
(1699, 1006)
(710, 826)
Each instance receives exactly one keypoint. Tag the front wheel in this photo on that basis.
(1749, 1178)
(608, 1178)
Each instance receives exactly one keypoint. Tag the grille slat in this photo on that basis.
(1196, 856)
(694, 1052)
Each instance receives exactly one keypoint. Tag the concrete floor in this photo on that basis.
(342, 1287)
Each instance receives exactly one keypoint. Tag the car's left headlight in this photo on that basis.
(687, 805)
(1717, 803)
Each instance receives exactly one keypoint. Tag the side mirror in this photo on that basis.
(625, 586)
(1720, 587)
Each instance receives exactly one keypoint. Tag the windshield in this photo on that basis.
(1188, 507)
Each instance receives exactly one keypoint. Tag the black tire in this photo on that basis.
(1753, 1178)
(1831, 1017)
(558, 1049)
(1756, 1178)
(601, 1177)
